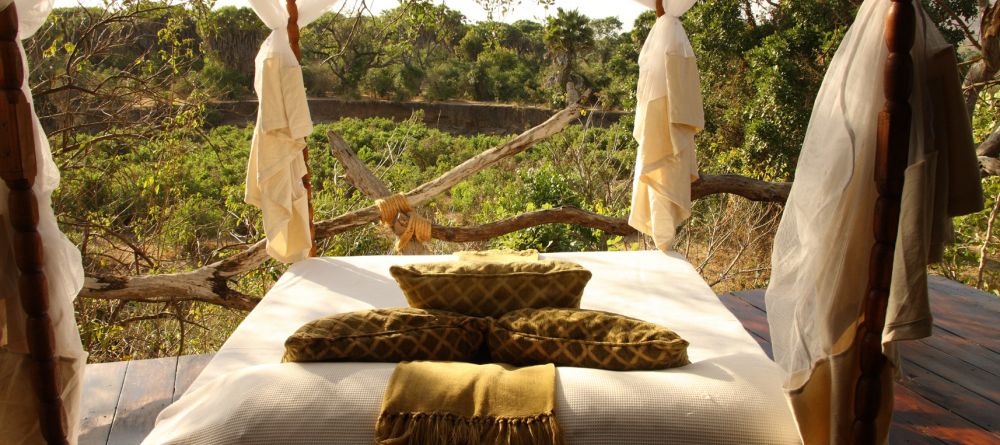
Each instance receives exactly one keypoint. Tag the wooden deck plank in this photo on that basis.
(754, 320)
(968, 294)
(962, 311)
(959, 400)
(957, 372)
(102, 383)
(967, 311)
(965, 351)
(755, 297)
(148, 388)
(188, 369)
(912, 413)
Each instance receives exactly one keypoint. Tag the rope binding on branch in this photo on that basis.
(417, 226)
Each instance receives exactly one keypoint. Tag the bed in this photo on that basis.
(732, 387)
(731, 393)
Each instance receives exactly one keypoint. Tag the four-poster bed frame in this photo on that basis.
(18, 168)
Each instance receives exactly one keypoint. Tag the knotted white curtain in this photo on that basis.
(821, 250)
(64, 270)
(668, 113)
(277, 165)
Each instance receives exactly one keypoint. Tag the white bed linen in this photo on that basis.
(731, 393)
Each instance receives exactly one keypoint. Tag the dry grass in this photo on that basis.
(729, 241)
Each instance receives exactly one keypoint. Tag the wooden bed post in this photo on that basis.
(293, 40)
(18, 167)
(893, 147)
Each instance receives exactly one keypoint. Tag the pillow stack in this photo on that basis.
(521, 312)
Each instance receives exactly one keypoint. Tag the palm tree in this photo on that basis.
(567, 34)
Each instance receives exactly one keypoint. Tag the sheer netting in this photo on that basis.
(64, 271)
(821, 250)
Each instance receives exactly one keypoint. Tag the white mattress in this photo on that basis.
(731, 393)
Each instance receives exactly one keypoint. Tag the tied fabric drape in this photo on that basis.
(277, 164)
(668, 113)
(820, 263)
(64, 271)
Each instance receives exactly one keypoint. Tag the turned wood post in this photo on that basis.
(893, 147)
(293, 40)
(18, 168)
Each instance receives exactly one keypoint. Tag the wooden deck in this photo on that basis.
(950, 393)
(121, 399)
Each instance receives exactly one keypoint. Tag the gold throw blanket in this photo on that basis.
(451, 403)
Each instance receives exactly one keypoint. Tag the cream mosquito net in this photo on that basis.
(822, 247)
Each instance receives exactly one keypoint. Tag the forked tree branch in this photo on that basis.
(213, 283)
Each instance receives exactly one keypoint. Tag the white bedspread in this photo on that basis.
(731, 393)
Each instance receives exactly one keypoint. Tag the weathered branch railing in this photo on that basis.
(212, 283)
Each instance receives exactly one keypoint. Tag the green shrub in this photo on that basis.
(319, 80)
(225, 83)
(445, 81)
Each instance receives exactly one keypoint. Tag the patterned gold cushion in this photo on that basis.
(491, 289)
(389, 335)
(586, 339)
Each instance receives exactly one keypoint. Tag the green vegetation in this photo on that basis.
(150, 187)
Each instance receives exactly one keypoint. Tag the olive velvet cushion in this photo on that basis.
(584, 338)
(389, 335)
(491, 289)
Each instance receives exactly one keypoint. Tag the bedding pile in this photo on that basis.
(729, 394)
(538, 325)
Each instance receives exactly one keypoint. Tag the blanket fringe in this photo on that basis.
(449, 429)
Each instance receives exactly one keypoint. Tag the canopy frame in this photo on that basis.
(891, 161)
(18, 170)
(293, 40)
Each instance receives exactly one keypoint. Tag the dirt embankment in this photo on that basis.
(453, 117)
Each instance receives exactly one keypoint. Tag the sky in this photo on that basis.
(625, 10)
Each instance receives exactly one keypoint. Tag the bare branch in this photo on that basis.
(991, 146)
(752, 189)
(562, 215)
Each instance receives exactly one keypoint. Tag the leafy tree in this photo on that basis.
(446, 81)
(233, 36)
(125, 74)
(499, 74)
(567, 34)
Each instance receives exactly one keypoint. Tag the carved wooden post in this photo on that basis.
(18, 168)
(893, 147)
(293, 40)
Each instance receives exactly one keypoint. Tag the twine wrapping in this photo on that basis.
(416, 227)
